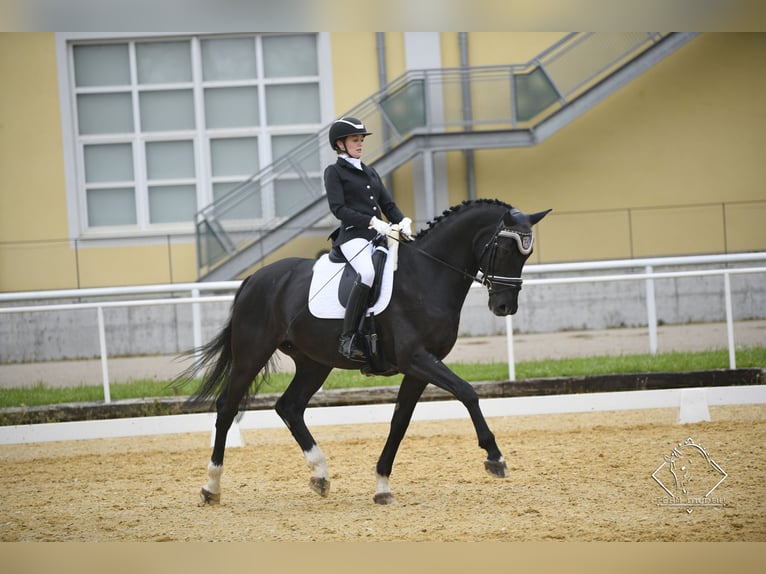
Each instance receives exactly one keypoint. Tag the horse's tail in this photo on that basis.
(215, 359)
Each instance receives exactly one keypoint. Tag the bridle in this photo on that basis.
(488, 278)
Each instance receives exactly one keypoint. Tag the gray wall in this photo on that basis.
(167, 329)
(607, 305)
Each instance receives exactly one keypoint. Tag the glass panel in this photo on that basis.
(290, 56)
(104, 114)
(163, 62)
(108, 162)
(246, 203)
(290, 195)
(308, 155)
(111, 207)
(211, 249)
(406, 107)
(228, 59)
(172, 203)
(169, 160)
(101, 65)
(534, 92)
(234, 156)
(292, 104)
(167, 110)
(231, 107)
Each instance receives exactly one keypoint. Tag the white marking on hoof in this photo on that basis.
(383, 492)
(214, 473)
(317, 462)
(320, 477)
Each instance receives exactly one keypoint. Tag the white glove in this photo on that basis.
(380, 226)
(405, 225)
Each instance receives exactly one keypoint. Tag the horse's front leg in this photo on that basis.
(426, 366)
(409, 393)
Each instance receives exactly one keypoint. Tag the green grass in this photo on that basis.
(746, 357)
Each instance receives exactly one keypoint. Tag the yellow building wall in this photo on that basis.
(502, 48)
(746, 226)
(37, 265)
(603, 235)
(355, 68)
(32, 194)
(484, 49)
(137, 265)
(35, 251)
(670, 164)
(688, 132)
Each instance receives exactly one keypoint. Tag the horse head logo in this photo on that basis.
(688, 472)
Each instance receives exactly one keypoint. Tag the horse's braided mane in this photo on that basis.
(454, 209)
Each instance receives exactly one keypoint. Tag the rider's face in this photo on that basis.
(353, 145)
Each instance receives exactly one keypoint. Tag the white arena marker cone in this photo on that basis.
(693, 408)
(233, 437)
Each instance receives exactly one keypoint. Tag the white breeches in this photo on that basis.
(359, 253)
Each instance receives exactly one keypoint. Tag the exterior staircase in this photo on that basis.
(421, 112)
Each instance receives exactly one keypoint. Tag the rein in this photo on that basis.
(441, 262)
(487, 278)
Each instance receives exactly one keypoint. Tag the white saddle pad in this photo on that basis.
(323, 292)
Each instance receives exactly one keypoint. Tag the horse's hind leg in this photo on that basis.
(309, 376)
(227, 406)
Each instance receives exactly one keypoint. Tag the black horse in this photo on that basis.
(487, 238)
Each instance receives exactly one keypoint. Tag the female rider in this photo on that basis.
(358, 198)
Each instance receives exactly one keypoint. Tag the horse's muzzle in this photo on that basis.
(507, 304)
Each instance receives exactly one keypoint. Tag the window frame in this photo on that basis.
(200, 136)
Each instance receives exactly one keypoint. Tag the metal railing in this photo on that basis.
(195, 296)
(492, 101)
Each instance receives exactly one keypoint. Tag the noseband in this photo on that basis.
(488, 277)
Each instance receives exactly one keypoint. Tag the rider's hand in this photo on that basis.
(380, 226)
(405, 226)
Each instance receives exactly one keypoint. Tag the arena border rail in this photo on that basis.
(196, 298)
(692, 404)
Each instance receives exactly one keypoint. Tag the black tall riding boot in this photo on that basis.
(355, 308)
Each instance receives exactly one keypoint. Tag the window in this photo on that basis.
(161, 127)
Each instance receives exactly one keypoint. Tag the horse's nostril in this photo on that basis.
(501, 309)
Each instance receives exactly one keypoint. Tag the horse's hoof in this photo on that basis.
(320, 485)
(496, 468)
(208, 498)
(384, 498)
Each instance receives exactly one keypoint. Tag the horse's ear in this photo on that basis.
(535, 217)
(513, 217)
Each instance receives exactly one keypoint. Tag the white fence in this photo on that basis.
(196, 295)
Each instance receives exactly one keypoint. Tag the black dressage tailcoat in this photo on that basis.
(355, 196)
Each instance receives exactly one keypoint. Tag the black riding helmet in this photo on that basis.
(344, 127)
